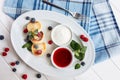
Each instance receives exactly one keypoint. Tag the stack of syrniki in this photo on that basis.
(36, 35)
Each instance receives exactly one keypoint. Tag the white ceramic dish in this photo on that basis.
(63, 34)
(43, 64)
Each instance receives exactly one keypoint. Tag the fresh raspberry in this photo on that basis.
(6, 49)
(85, 39)
(24, 76)
(12, 63)
(82, 36)
(38, 52)
(40, 34)
(4, 54)
(50, 42)
(25, 30)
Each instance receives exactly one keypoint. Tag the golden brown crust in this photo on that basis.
(34, 26)
(41, 46)
(38, 39)
(38, 47)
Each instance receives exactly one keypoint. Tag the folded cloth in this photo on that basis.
(104, 30)
(102, 27)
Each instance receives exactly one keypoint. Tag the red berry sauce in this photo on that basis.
(62, 57)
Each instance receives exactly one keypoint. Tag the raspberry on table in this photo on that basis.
(6, 49)
(4, 54)
(24, 76)
(12, 63)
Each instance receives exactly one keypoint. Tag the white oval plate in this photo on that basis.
(42, 63)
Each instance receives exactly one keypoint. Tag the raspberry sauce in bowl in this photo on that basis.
(61, 57)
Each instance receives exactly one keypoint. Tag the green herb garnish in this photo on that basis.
(77, 66)
(79, 51)
(74, 45)
(28, 45)
(36, 31)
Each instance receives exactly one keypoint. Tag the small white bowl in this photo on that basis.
(61, 35)
(61, 59)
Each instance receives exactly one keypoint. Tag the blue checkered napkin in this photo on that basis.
(104, 31)
(14, 8)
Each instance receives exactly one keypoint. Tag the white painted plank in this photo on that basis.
(12, 57)
(116, 61)
(5, 71)
(116, 9)
(88, 75)
(116, 56)
(107, 70)
(59, 78)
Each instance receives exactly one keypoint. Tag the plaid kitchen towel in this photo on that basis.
(102, 28)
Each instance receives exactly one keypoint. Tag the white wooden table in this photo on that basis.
(107, 70)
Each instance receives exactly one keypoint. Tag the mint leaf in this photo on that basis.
(74, 45)
(79, 56)
(28, 45)
(36, 31)
(30, 35)
(77, 66)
